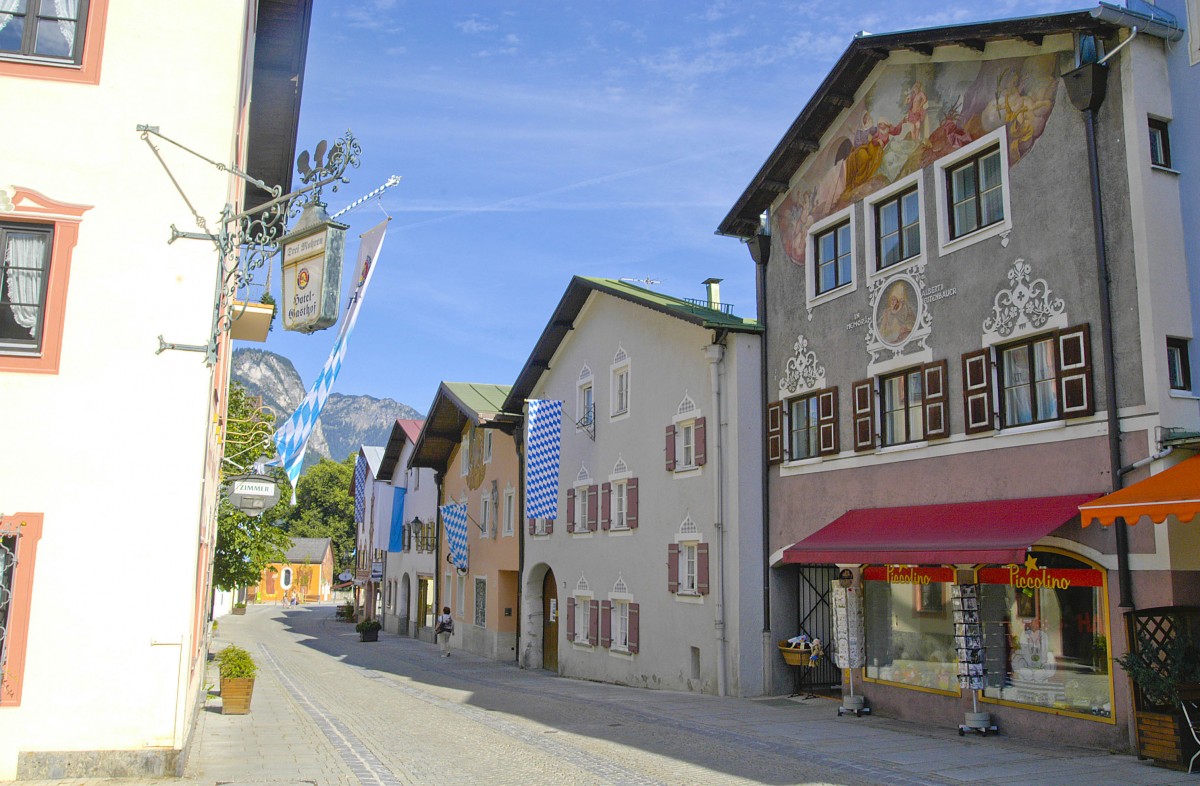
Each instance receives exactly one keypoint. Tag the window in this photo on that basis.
(481, 602)
(1039, 379)
(620, 625)
(976, 193)
(585, 401)
(1029, 381)
(1178, 366)
(802, 422)
(687, 562)
(687, 568)
(912, 407)
(909, 628)
(811, 425)
(19, 537)
(510, 511)
(487, 447)
(285, 580)
(581, 509)
(583, 617)
(26, 266)
(464, 453)
(1160, 143)
(620, 505)
(485, 518)
(897, 229)
(460, 596)
(687, 444)
(46, 30)
(903, 398)
(834, 266)
(621, 391)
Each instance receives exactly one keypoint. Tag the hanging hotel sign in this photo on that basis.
(312, 270)
(907, 574)
(1041, 578)
(253, 494)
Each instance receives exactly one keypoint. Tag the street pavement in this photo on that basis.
(330, 710)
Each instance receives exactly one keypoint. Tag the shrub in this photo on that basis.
(236, 663)
(368, 626)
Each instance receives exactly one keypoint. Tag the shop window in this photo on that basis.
(909, 627)
(1045, 627)
(1179, 368)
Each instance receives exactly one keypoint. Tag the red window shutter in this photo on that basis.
(593, 506)
(702, 568)
(631, 503)
(863, 395)
(532, 526)
(570, 619)
(605, 623)
(827, 422)
(594, 622)
(977, 391)
(671, 448)
(937, 415)
(570, 510)
(605, 506)
(634, 613)
(701, 443)
(774, 432)
(1075, 372)
(672, 568)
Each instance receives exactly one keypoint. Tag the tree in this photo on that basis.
(325, 508)
(246, 545)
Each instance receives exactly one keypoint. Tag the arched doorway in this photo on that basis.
(550, 612)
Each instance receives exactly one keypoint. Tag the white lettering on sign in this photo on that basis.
(859, 321)
(310, 246)
(938, 292)
(253, 488)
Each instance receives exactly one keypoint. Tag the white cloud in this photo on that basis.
(474, 26)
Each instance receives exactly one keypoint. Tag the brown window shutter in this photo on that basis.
(634, 626)
(570, 510)
(549, 526)
(533, 526)
(605, 506)
(774, 432)
(1075, 382)
(631, 503)
(606, 623)
(827, 422)
(594, 622)
(570, 619)
(937, 415)
(672, 568)
(863, 398)
(977, 391)
(701, 443)
(593, 506)
(671, 448)
(702, 568)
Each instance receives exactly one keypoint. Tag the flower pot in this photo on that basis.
(239, 610)
(369, 635)
(236, 694)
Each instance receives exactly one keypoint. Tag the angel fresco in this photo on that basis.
(936, 110)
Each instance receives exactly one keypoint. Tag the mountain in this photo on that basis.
(345, 423)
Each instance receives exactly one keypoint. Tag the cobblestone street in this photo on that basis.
(331, 710)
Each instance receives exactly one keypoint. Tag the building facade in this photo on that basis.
(304, 576)
(949, 378)
(651, 573)
(88, 283)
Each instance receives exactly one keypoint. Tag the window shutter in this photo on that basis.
(593, 506)
(827, 422)
(977, 391)
(863, 395)
(702, 568)
(549, 526)
(634, 613)
(937, 420)
(593, 622)
(1075, 372)
(671, 448)
(774, 432)
(570, 510)
(606, 623)
(631, 503)
(571, 619)
(606, 506)
(701, 443)
(533, 526)
(672, 568)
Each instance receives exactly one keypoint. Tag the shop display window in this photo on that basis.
(1045, 629)
(909, 627)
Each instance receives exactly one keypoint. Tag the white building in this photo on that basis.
(89, 283)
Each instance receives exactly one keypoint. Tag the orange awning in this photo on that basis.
(1173, 492)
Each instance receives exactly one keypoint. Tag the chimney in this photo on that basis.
(714, 292)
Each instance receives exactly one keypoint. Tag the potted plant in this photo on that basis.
(1164, 665)
(368, 630)
(346, 611)
(237, 670)
(239, 608)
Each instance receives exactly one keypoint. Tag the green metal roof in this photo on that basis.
(480, 399)
(689, 310)
(455, 404)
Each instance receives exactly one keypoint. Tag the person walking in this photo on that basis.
(445, 627)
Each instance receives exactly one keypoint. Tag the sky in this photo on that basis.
(540, 140)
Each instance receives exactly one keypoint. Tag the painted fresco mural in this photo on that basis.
(912, 116)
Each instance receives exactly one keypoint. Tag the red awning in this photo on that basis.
(1172, 492)
(992, 531)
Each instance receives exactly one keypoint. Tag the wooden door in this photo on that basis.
(550, 612)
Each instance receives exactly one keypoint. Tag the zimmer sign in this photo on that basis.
(312, 271)
(253, 494)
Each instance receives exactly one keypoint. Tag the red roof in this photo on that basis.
(412, 428)
(991, 531)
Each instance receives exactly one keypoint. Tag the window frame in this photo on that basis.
(620, 371)
(813, 430)
(820, 264)
(27, 529)
(33, 11)
(1002, 387)
(620, 504)
(510, 512)
(619, 623)
(487, 446)
(583, 600)
(485, 521)
(689, 558)
(1162, 127)
(83, 69)
(942, 174)
(479, 610)
(814, 298)
(1178, 347)
(460, 595)
(975, 163)
(908, 186)
(33, 346)
(909, 408)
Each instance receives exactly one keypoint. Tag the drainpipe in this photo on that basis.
(1086, 87)
(715, 352)
(760, 252)
(519, 524)
(439, 571)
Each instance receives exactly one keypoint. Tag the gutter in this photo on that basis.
(1158, 26)
(715, 352)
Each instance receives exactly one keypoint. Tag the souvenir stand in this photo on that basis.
(848, 642)
(968, 641)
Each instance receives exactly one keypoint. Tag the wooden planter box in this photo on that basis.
(239, 610)
(1164, 737)
(369, 635)
(236, 695)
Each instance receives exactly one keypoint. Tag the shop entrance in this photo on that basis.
(814, 584)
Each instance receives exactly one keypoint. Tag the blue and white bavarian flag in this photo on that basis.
(292, 438)
(455, 517)
(543, 443)
(360, 489)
